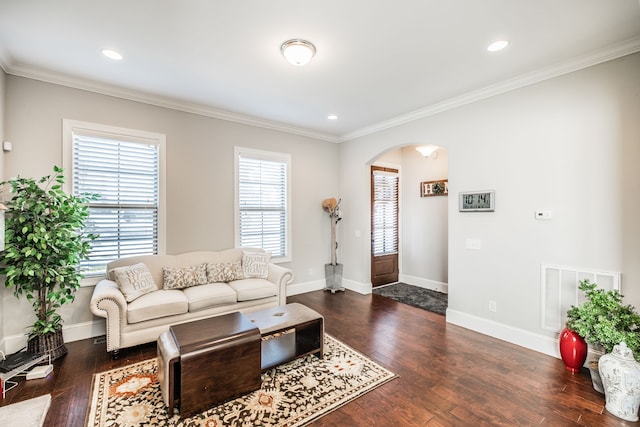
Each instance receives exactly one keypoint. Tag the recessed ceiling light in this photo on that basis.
(112, 54)
(332, 117)
(497, 45)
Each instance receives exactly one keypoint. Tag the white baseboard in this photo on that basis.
(526, 339)
(81, 331)
(366, 288)
(303, 288)
(318, 285)
(70, 333)
(424, 283)
(361, 288)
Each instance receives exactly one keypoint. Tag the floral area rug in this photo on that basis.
(292, 394)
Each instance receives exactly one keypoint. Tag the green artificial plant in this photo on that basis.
(603, 320)
(43, 245)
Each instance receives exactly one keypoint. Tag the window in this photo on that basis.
(125, 168)
(262, 201)
(384, 211)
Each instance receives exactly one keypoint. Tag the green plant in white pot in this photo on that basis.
(44, 244)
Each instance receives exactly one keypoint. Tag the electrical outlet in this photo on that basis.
(540, 214)
(492, 306)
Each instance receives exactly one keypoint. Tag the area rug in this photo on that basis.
(28, 413)
(293, 394)
(425, 299)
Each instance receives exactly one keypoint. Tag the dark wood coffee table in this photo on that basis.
(288, 332)
(207, 362)
(219, 359)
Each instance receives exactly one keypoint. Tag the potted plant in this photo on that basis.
(43, 245)
(604, 321)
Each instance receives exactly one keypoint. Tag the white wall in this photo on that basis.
(199, 175)
(424, 250)
(569, 145)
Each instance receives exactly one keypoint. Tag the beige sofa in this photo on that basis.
(142, 296)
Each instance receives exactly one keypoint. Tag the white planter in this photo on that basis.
(621, 380)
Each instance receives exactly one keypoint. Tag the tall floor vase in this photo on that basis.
(621, 380)
(573, 350)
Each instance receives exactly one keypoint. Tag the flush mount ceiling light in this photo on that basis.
(428, 150)
(297, 51)
(497, 45)
(332, 117)
(112, 54)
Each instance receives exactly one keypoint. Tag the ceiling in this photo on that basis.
(378, 63)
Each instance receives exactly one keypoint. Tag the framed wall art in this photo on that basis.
(477, 201)
(434, 188)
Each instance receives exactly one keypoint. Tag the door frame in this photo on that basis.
(393, 259)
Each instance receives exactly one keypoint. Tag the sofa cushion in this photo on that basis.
(162, 303)
(224, 272)
(209, 295)
(134, 281)
(184, 277)
(255, 288)
(256, 264)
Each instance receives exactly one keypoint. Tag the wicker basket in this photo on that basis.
(51, 344)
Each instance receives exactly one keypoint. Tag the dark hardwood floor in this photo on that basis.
(448, 376)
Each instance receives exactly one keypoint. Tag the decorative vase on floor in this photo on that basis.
(621, 380)
(573, 350)
(333, 277)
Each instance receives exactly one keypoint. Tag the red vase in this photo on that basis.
(573, 350)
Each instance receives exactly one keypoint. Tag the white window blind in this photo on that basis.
(126, 176)
(385, 212)
(262, 182)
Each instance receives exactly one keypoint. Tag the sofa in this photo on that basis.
(142, 296)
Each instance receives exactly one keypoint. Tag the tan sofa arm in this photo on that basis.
(107, 301)
(281, 276)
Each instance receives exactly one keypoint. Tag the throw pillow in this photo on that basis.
(184, 277)
(134, 281)
(224, 272)
(256, 264)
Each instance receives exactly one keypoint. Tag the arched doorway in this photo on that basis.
(422, 231)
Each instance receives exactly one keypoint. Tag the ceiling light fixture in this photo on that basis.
(428, 151)
(297, 51)
(497, 45)
(112, 54)
(332, 117)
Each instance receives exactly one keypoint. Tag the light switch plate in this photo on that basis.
(475, 244)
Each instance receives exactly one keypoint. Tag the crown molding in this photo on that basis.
(594, 58)
(4, 59)
(159, 101)
(607, 54)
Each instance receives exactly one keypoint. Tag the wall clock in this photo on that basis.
(477, 201)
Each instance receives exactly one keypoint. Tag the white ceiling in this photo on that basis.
(378, 63)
